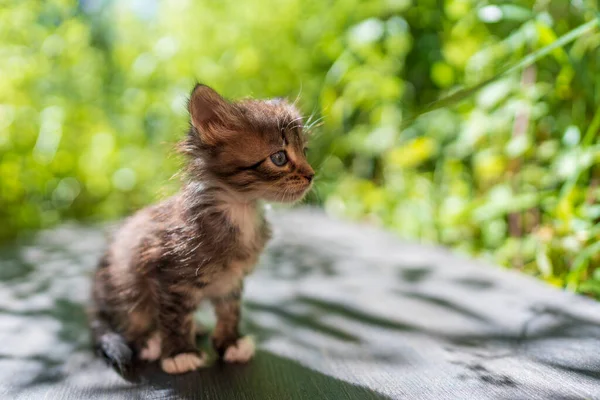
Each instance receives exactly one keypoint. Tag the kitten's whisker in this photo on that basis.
(298, 96)
(296, 126)
(313, 124)
(312, 115)
(292, 121)
(317, 124)
(309, 121)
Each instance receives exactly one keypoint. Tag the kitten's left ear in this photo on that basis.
(211, 114)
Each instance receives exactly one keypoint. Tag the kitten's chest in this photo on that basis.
(244, 218)
(247, 227)
(246, 222)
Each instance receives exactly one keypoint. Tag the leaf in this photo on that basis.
(543, 262)
(462, 94)
(591, 286)
(592, 130)
(580, 263)
(495, 209)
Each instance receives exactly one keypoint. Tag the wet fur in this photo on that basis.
(201, 243)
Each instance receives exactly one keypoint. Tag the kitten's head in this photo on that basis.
(254, 147)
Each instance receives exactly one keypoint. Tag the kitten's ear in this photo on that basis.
(210, 113)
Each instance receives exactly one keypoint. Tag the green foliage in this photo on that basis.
(506, 168)
(92, 99)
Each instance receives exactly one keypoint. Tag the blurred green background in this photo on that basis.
(93, 95)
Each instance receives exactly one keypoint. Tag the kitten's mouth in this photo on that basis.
(290, 196)
(300, 193)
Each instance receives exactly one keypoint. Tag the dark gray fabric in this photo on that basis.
(339, 311)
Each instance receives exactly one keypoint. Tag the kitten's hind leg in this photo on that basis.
(182, 363)
(151, 350)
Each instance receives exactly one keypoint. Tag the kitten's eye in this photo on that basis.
(305, 150)
(279, 158)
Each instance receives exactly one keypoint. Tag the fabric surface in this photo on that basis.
(338, 310)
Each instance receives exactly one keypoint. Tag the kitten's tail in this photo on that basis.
(111, 346)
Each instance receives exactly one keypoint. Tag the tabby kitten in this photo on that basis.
(202, 242)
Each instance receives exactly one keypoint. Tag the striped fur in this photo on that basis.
(199, 244)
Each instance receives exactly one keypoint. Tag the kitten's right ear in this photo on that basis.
(210, 113)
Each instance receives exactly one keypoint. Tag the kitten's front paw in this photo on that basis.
(182, 363)
(240, 352)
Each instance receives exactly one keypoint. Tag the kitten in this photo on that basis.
(202, 242)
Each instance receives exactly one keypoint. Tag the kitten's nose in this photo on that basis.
(307, 172)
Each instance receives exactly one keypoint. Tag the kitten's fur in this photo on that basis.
(200, 243)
